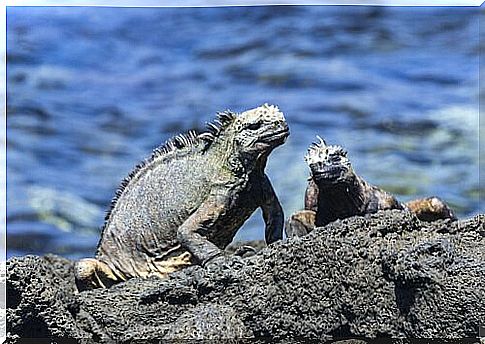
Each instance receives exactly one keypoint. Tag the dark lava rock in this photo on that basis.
(382, 275)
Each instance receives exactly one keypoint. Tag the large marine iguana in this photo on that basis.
(335, 191)
(185, 203)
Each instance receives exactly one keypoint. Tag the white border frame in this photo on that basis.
(220, 3)
(163, 3)
(3, 177)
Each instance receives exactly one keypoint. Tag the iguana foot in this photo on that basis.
(300, 223)
(242, 251)
(91, 273)
(431, 209)
(161, 268)
(220, 255)
(224, 261)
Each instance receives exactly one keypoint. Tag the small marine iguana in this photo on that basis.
(335, 191)
(184, 204)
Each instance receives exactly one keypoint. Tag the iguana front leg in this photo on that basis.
(273, 215)
(202, 220)
(302, 222)
(311, 195)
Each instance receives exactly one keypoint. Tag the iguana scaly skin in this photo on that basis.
(335, 191)
(184, 204)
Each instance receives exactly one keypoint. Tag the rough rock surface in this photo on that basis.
(382, 275)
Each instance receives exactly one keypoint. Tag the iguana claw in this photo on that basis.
(242, 250)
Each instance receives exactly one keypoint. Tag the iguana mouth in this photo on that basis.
(329, 173)
(277, 136)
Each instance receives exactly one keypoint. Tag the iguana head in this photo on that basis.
(260, 130)
(251, 135)
(328, 165)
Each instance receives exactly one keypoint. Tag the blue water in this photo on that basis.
(90, 91)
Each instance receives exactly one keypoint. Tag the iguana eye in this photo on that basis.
(254, 126)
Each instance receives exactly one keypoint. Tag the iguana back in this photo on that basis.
(154, 202)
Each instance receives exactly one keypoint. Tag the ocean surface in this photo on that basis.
(91, 91)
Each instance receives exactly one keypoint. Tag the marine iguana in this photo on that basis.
(185, 203)
(335, 191)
